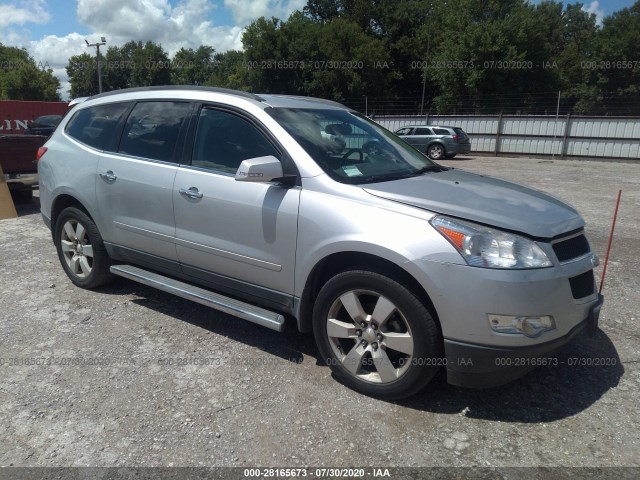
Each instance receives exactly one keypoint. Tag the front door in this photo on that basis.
(238, 236)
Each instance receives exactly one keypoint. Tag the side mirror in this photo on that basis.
(260, 169)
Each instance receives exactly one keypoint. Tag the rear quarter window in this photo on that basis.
(441, 131)
(96, 126)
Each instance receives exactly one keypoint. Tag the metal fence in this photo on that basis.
(565, 137)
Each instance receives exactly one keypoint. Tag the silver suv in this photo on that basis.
(263, 206)
(436, 141)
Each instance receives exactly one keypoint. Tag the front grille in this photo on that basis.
(582, 285)
(573, 247)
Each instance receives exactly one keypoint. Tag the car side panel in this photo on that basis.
(243, 230)
(71, 171)
(137, 207)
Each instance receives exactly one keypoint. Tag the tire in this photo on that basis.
(356, 317)
(435, 151)
(81, 250)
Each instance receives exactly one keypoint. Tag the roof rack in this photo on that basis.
(308, 99)
(229, 91)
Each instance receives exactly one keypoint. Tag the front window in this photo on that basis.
(350, 148)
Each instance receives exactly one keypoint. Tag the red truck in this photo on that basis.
(17, 147)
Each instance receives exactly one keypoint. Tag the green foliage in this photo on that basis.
(83, 75)
(22, 79)
(192, 67)
(335, 59)
(619, 50)
(228, 70)
(465, 55)
(135, 64)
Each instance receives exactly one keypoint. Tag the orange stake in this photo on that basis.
(613, 226)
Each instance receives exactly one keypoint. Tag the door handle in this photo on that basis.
(191, 192)
(108, 176)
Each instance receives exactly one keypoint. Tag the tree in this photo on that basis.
(334, 59)
(150, 64)
(22, 79)
(618, 59)
(83, 75)
(228, 70)
(192, 67)
(491, 48)
(135, 64)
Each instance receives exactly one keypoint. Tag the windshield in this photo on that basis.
(351, 148)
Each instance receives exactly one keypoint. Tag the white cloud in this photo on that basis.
(23, 12)
(594, 8)
(54, 52)
(120, 21)
(245, 11)
(185, 25)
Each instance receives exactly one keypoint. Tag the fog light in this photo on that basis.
(529, 326)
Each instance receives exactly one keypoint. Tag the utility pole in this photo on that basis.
(103, 41)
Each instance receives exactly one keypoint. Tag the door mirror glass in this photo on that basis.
(260, 169)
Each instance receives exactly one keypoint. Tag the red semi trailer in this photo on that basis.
(17, 150)
(16, 115)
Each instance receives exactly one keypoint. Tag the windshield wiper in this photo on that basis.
(398, 176)
(431, 168)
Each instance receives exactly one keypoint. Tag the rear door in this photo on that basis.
(239, 237)
(135, 182)
(420, 137)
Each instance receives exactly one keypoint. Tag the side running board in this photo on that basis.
(234, 307)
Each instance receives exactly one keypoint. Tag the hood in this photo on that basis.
(485, 200)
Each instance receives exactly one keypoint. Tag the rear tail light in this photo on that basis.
(455, 137)
(41, 152)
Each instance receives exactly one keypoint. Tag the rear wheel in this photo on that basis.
(435, 151)
(376, 336)
(81, 250)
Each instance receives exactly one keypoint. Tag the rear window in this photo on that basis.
(441, 131)
(48, 120)
(460, 132)
(96, 126)
(153, 128)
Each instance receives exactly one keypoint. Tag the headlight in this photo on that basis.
(490, 248)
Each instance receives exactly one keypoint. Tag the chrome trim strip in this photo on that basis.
(230, 255)
(144, 231)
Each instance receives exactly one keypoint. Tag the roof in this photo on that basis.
(426, 126)
(273, 100)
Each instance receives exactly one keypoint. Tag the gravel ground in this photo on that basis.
(119, 385)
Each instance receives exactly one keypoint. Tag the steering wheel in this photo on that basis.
(350, 151)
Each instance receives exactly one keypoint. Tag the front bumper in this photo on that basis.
(483, 366)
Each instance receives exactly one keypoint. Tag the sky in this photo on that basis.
(54, 30)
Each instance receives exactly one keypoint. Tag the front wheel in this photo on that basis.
(81, 250)
(376, 336)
